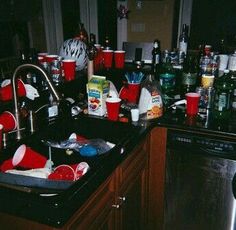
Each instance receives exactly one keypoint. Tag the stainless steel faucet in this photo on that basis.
(51, 87)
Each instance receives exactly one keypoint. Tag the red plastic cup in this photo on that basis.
(192, 103)
(1, 133)
(80, 169)
(63, 172)
(113, 108)
(68, 67)
(6, 93)
(42, 57)
(51, 57)
(6, 165)
(119, 56)
(130, 92)
(26, 157)
(8, 121)
(107, 58)
(77, 137)
(98, 58)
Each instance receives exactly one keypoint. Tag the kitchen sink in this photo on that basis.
(117, 133)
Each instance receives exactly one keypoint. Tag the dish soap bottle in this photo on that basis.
(150, 102)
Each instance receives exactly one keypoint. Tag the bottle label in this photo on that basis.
(155, 107)
(189, 79)
(156, 59)
(183, 47)
(223, 102)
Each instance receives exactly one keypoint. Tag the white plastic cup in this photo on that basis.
(135, 114)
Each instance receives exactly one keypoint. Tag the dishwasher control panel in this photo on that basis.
(196, 141)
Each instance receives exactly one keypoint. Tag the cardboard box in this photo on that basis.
(97, 89)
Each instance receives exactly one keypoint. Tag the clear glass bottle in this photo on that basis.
(223, 97)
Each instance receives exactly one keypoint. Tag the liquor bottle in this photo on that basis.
(223, 97)
(183, 43)
(167, 78)
(156, 58)
(189, 75)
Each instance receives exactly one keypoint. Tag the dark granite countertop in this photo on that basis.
(39, 203)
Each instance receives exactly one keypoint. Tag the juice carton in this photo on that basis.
(97, 89)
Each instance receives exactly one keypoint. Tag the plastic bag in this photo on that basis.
(85, 147)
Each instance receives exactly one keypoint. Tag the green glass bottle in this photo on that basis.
(223, 97)
(189, 75)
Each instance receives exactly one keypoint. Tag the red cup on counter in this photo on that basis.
(119, 56)
(51, 57)
(113, 108)
(107, 58)
(6, 93)
(28, 158)
(192, 103)
(42, 57)
(68, 67)
(130, 92)
(8, 121)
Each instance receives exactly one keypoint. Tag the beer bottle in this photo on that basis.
(156, 58)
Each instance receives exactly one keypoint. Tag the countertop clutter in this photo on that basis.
(122, 187)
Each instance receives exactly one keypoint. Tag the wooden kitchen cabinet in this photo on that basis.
(119, 203)
(157, 158)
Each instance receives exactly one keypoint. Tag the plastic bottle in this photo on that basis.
(150, 102)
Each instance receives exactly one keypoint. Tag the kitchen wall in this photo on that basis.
(153, 20)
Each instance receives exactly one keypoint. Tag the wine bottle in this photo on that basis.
(156, 58)
(189, 75)
(183, 43)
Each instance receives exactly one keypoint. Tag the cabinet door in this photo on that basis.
(132, 193)
(97, 213)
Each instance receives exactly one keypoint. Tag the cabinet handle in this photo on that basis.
(122, 200)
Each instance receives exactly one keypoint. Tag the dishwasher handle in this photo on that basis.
(234, 186)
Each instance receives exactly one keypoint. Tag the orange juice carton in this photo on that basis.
(97, 89)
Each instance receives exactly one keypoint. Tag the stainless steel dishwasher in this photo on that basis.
(200, 184)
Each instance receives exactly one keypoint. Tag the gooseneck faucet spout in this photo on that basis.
(51, 87)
